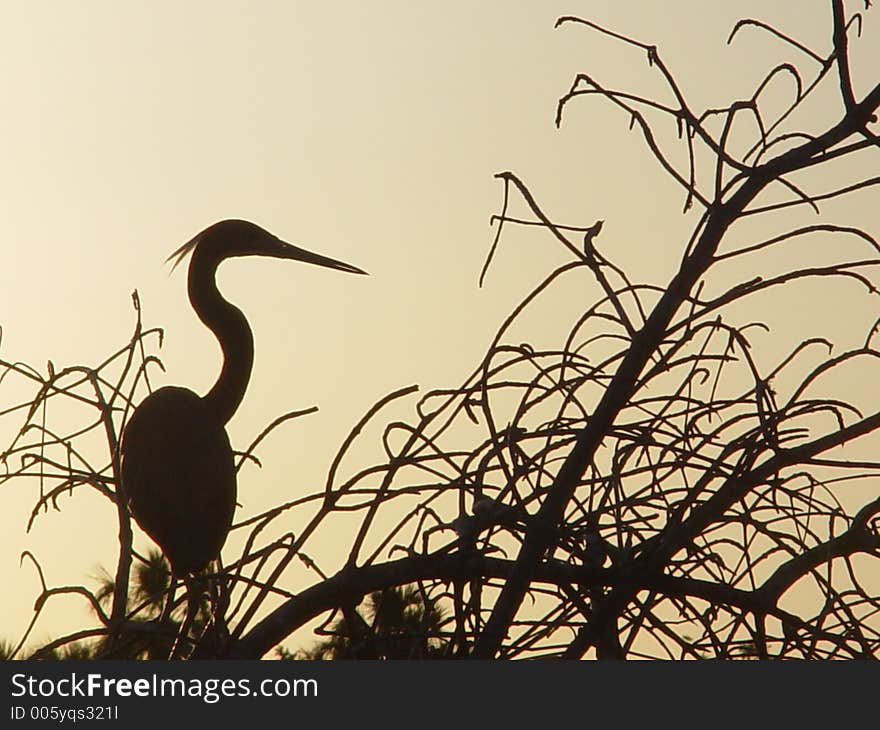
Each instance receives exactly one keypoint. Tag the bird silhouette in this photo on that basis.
(177, 466)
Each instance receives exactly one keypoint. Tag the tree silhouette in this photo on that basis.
(401, 623)
(648, 485)
(150, 633)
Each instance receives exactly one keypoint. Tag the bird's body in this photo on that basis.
(178, 471)
(179, 476)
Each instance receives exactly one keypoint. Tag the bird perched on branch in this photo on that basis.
(177, 466)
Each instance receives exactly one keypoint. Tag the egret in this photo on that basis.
(177, 465)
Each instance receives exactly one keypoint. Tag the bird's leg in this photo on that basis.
(220, 605)
(165, 617)
(165, 620)
(214, 634)
(193, 600)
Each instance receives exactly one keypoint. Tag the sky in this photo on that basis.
(369, 132)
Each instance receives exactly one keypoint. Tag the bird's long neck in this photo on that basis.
(230, 328)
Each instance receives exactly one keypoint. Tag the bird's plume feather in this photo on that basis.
(184, 251)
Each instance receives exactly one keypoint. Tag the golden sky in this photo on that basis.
(369, 132)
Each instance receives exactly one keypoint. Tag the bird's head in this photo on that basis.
(234, 237)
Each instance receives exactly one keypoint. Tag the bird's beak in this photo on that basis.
(289, 251)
